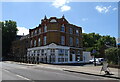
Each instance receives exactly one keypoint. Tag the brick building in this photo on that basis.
(56, 41)
(19, 48)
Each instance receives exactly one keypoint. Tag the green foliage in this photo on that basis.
(112, 55)
(99, 43)
(9, 32)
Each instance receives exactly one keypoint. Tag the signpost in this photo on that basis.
(94, 51)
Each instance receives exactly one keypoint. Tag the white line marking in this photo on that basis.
(22, 77)
(6, 70)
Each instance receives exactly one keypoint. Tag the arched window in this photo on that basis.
(53, 20)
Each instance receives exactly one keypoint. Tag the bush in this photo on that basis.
(112, 55)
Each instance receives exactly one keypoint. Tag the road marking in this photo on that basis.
(22, 77)
(6, 70)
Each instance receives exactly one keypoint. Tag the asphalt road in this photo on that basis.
(22, 72)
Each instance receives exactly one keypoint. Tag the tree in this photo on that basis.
(112, 55)
(9, 32)
(93, 41)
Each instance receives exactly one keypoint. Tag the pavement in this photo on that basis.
(85, 69)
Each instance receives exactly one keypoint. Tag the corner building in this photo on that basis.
(55, 41)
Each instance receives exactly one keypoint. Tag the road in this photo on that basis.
(12, 71)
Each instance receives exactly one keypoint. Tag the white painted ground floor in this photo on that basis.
(55, 54)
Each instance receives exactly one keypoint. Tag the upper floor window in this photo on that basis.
(39, 31)
(31, 43)
(77, 42)
(62, 28)
(39, 42)
(35, 32)
(62, 40)
(77, 31)
(31, 33)
(34, 42)
(71, 41)
(71, 31)
(45, 28)
(44, 40)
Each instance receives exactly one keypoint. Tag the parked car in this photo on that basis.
(99, 61)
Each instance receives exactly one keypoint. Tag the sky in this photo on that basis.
(98, 17)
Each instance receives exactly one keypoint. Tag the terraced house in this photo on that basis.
(56, 41)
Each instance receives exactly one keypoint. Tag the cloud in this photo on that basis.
(114, 9)
(61, 4)
(22, 30)
(65, 8)
(102, 9)
(84, 19)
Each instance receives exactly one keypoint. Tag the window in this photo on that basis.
(31, 43)
(71, 41)
(77, 32)
(61, 52)
(45, 28)
(35, 32)
(66, 59)
(39, 31)
(34, 42)
(77, 42)
(66, 52)
(62, 28)
(31, 33)
(39, 42)
(62, 40)
(71, 30)
(44, 40)
(53, 20)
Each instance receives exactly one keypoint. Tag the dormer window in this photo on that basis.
(62, 29)
(53, 20)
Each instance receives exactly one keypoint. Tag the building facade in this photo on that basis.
(56, 41)
(19, 48)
